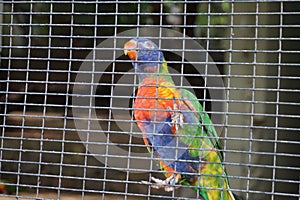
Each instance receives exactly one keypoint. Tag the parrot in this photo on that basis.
(3, 189)
(7, 187)
(175, 127)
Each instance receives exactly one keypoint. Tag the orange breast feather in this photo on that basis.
(155, 98)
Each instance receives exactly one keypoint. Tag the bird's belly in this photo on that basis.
(152, 111)
(173, 153)
(168, 148)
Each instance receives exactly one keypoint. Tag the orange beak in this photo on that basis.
(130, 49)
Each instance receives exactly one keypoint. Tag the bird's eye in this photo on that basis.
(148, 45)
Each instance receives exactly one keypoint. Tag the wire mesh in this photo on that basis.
(67, 94)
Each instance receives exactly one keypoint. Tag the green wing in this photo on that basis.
(206, 128)
(208, 141)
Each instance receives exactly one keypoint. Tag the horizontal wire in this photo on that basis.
(136, 2)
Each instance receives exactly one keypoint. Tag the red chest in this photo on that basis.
(153, 101)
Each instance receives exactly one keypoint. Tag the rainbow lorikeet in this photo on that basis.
(175, 127)
(6, 187)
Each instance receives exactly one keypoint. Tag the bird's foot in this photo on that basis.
(177, 119)
(168, 184)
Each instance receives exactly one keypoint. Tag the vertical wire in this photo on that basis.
(44, 116)
(252, 99)
(153, 160)
(89, 115)
(132, 119)
(86, 153)
(1, 23)
(66, 105)
(228, 79)
(222, 189)
(110, 109)
(205, 84)
(277, 102)
(108, 126)
(129, 146)
(138, 19)
(25, 102)
(5, 111)
(131, 125)
(130, 134)
(181, 80)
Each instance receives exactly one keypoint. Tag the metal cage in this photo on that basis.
(67, 90)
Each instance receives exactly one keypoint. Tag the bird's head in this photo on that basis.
(146, 57)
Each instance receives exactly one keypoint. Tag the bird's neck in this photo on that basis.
(157, 76)
(157, 71)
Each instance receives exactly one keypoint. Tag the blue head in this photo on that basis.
(146, 57)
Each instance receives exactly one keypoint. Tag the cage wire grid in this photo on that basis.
(52, 148)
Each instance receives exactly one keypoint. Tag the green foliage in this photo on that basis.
(211, 14)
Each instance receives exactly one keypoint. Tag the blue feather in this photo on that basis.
(170, 149)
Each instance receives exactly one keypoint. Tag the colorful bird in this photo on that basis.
(7, 187)
(175, 127)
(3, 189)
